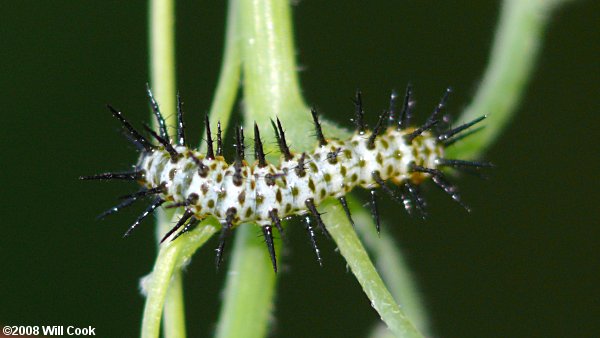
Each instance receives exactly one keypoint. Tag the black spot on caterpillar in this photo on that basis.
(264, 193)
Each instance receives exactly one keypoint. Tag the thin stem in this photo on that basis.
(247, 306)
(165, 288)
(162, 72)
(391, 265)
(171, 257)
(156, 290)
(517, 43)
(174, 309)
(162, 56)
(270, 79)
(270, 88)
(358, 260)
(229, 77)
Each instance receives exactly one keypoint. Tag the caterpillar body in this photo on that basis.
(205, 184)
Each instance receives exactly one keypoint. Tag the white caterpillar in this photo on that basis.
(264, 193)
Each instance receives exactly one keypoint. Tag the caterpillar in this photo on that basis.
(205, 184)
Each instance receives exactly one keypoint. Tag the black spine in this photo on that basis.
(184, 218)
(177, 204)
(144, 193)
(449, 142)
(209, 141)
(117, 208)
(276, 221)
(162, 126)
(318, 130)
(375, 211)
(225, 232)
(190, 200)
(259, 153)
(344, 204)
(239, 144)
(237, 165)
(280, 137)
(440, 180)
(392, 110)
(377, 178)
(180, 123)
(444, 162)
(242, 144)
(447, 135)
(377, 130)
(268, 233)
(418, 199)
(407, 106)
(138, 146)
(187, 228)
(406, 200)
(132, 132)
(449, 189)
(359, 114)
(441, 105)
(126, 176)
(310, 204)
(155, 204)
(428, 125)
(219, 140)
(165, 143)
(313, 239)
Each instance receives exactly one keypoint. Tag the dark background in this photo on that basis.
(523, 264)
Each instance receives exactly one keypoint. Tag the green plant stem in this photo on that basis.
(247, 306)
(391, 265)
(270, 87)
(229, 77)
(164, 286)
(359, 262)
(162, 73)
(162, 56)
(270, 79)
(516, 45)
(171, 257)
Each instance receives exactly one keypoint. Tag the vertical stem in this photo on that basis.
(174, 308)
(162, 56)
(171, 257)
(229, 78)
(164, 286)
(271, 85)
(518, 40)
(269, 64)
(156, 291)
(162, 72)
(248, 300)
(270, 88)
